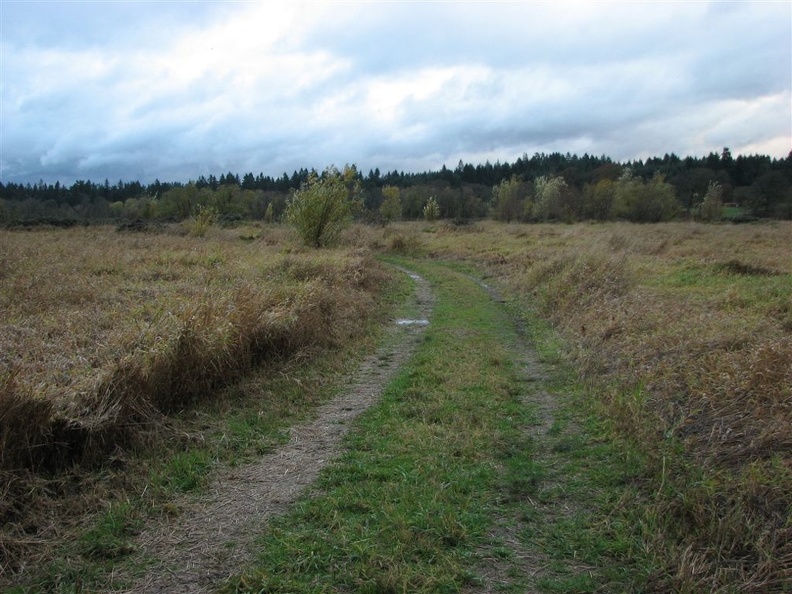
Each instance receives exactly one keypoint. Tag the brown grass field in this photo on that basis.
(103, 334)
(682, 333)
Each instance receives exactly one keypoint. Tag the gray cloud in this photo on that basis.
(174, 90)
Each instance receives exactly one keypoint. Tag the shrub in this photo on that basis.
(431, 209)
(202, 220)
(644, 202)
(324, 205)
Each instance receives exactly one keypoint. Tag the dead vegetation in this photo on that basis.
(684, 332)
(104, 334)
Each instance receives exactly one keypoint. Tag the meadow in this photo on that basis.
(680, 334)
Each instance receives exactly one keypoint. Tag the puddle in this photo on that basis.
(412, 322)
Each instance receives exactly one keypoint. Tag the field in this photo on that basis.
(683, 333)
(680, 335)
(106, 336)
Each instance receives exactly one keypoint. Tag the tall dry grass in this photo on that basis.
(103, 334)
(684, 332)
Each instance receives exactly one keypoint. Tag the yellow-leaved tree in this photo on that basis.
(391, 207)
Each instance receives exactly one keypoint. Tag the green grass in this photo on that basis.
(442, 458)
(184, 471)
(731, 213)
(108, 538)
(571, 516)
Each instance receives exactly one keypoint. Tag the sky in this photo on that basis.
(145, 90)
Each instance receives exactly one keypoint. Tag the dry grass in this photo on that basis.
(684, 332)
(103, 334)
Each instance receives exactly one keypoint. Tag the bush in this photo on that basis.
(431, 210)
(324, 205)
(202, 220)
(644, 202)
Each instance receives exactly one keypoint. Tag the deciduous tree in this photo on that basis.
(324, 205)
(547, 197)
(391, 207)
(640, 202)
(711, 207)
(431, 210)
(507, 199)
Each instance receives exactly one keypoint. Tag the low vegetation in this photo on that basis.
(680, 334)
(684, 335)
(410, 507)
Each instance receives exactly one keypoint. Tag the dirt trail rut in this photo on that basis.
(214, 538)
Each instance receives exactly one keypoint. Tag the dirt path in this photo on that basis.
(214, 539)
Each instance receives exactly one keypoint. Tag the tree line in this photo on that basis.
(541, 187)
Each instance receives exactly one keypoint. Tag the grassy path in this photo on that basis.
(475, 472)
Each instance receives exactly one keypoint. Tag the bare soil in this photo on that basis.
(213, 539)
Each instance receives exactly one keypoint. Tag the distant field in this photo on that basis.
(78, 302)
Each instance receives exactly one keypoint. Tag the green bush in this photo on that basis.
(638, 201)
(324, 205)
(431, 210)
(202, 220)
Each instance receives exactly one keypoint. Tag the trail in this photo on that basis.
(214, 539)
(526, 565)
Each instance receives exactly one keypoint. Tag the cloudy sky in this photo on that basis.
(141, 90)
